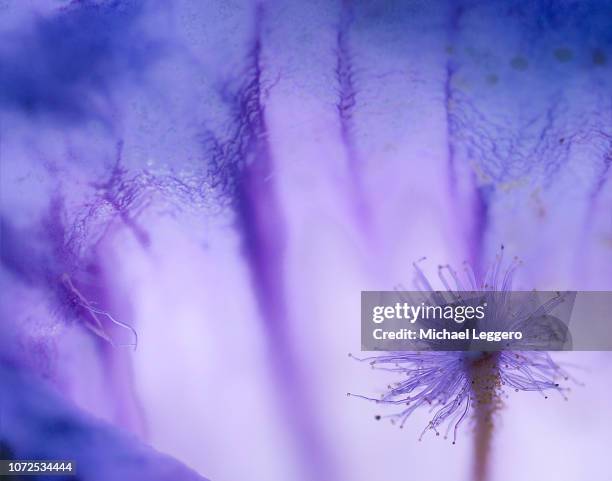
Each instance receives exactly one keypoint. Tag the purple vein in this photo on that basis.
(262, 227)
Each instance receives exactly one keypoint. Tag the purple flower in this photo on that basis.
(458, 385)
(225, 177)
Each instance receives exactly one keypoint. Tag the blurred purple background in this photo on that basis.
(225, 177)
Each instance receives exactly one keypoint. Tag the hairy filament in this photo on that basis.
(94, 324)
(486, 390)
